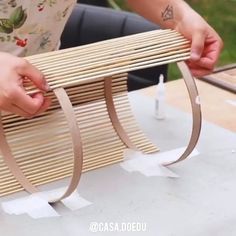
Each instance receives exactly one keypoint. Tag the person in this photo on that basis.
(32, 27)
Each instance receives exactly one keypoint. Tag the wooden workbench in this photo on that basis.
(215, 102)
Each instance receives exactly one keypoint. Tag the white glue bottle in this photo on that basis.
(160, 99)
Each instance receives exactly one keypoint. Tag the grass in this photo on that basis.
(220, 14)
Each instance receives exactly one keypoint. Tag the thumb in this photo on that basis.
(197, 47)
(33, 74)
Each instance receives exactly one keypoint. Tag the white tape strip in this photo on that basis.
(152, 164)
(231, 102)
(36, 205)
(75, 202)
(32, 205)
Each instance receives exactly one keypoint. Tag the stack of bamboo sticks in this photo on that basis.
(69, 66)
(93, 77)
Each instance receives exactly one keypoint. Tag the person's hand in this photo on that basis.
(206, 44)
(13, 98)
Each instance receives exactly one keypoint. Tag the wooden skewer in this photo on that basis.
(31, 175)
(84, 84)
(90, 76)
(135, 42)
(108, 54)
(52, 55)
(134, 60)
(51, 143)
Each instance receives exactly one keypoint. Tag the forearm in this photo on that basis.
(166, 13)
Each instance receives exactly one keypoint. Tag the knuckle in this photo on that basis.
(201, 31)
(22, 63)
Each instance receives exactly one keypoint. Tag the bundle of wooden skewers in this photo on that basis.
(99, 124)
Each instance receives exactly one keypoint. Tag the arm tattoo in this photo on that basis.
(168, 14)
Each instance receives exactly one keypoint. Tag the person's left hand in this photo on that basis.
(206, 44)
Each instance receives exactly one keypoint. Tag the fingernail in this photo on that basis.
(195, 56)
(46, 86)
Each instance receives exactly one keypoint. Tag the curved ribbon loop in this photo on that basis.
(10, 161)
(196, 112)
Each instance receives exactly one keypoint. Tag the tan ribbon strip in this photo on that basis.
(196, 111)
(76, 143)
(113, 114)
(11, 162)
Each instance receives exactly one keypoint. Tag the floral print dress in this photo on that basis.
(30, 27)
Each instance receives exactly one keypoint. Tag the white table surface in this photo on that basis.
(202, 202)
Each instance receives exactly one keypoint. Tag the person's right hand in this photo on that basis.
(13, 98)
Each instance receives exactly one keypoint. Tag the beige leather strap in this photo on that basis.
(76, 141)
(196, 111)
(11, 162)
(113, 115)
(77, 149)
